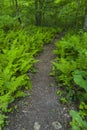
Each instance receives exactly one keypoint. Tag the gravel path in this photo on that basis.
(42, 110)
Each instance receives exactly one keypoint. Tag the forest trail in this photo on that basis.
(42, 110)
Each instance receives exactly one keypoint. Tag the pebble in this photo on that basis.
(23, 129)
(56, 125)
(37, 126)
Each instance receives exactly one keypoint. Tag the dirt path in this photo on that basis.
(42, 110)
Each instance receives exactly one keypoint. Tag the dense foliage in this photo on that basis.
(17, 51)
(70, 70)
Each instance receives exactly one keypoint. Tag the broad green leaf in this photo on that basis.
(79, 79)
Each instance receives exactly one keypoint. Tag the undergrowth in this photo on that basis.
(18, 48)
(70, 71)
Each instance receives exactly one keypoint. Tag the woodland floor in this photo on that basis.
(42, 110)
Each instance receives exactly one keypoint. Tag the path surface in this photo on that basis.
(42, 110)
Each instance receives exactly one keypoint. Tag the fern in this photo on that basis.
(17, 51)
(71, 52)
(70, 70)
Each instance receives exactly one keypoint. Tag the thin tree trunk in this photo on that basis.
(85, 20)
(17, 12)
(38, 12)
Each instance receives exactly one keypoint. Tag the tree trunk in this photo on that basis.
(85, 21)
(17, 12)
(38, 12)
